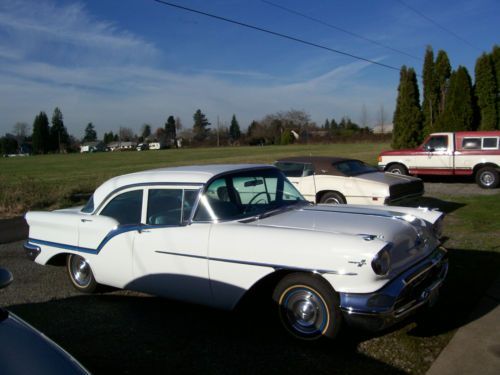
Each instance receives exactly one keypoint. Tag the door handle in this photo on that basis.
(85, 220)
(143, 230)
(295, 182)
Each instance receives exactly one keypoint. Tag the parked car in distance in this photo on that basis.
(470, 153)
(324, 179)
(142, 147)
(25, 350)
(211, 234)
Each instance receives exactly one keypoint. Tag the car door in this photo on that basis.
(434, 157)
(108, 236)
(170, 256)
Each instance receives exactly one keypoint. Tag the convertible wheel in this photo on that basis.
(308, 307)
(487, 178)
(332, 197)
(80, 274)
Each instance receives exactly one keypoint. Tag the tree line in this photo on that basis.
(451, 101)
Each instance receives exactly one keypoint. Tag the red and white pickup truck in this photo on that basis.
(472, 153)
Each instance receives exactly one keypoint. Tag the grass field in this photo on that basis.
(472, 232)
(50, 181)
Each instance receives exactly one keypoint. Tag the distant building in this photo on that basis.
(92, 147)
(383, 129)
(121, 146)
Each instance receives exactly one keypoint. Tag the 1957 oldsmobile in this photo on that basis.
(211, 234)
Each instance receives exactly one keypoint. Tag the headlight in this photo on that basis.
(381, 263)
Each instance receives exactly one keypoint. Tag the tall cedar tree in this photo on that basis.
(442, 70)
(146, 131)
(495, 58)
(170, 129)
(200, 126)
(486, 93)
(407, 120)
(59, 138)
(234, 129)
(90, 133)
(458, 111)
(431, 92)
(41, 136)
(108, 138)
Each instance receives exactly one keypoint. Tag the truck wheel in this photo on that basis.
(332, 197)
(487, 178)
(308, 307)
(397, 169)
(80, 274)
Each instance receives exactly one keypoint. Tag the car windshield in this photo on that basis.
(245, 194)
(354, 167)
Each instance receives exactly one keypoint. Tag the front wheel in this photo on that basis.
(80, 274)
(487, 178)
(397, 169)
(308, 308)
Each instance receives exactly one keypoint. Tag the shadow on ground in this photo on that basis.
(436, 203)
(134, 334)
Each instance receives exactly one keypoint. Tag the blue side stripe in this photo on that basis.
(113, 233)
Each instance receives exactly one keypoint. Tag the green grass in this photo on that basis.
(49, 181)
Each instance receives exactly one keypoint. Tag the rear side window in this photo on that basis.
(471, 143)
(126, 208)
(490, 143)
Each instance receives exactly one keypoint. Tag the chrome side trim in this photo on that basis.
(258, 264)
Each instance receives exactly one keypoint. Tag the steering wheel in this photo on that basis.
(249, 204)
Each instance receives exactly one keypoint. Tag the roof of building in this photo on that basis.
(194, 174)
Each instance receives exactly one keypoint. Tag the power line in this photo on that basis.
(437, 24)
(348, 32)
(276, 34)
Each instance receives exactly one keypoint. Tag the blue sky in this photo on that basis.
(129, 62)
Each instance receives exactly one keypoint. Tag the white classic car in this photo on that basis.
(333, 180)
(210, 234)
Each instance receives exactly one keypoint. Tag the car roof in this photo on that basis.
(321, 164)
(187, 175)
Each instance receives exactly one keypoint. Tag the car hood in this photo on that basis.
(411, 238)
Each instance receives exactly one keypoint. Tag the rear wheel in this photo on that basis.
(332, 197)
(397, 169)
(308, 308)
(80, 274)
(487, 178)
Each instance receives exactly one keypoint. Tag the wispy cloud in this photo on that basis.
(93, 73)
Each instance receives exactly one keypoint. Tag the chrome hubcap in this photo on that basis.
(395, 171)
(487, 178)
(304, 312)
(332, 201)
(80, 270)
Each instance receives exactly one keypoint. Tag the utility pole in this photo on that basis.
(218, 128)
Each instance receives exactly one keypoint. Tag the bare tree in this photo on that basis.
(125, 134)
(381, 116)
(20, 129)
(178, 123)
(364, 116)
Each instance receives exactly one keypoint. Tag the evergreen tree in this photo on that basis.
(146, 131)
(486, 92)
(200, 126)
(59, 137)
(407, 120)
(333, 125)
(442, 70)
(326, 125)
(495, 58)
(234, 129)
(90, 133)
(171, 129)
(458, 111)
(431, 92)
(108, 138)
(41, 136)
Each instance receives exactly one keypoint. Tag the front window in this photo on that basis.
(353, 167)
(244, 194)
(437, 143)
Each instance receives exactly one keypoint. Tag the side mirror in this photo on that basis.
(429, 148)
(5, 278)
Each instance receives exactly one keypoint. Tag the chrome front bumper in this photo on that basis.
(402, 296)
(31, 250)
